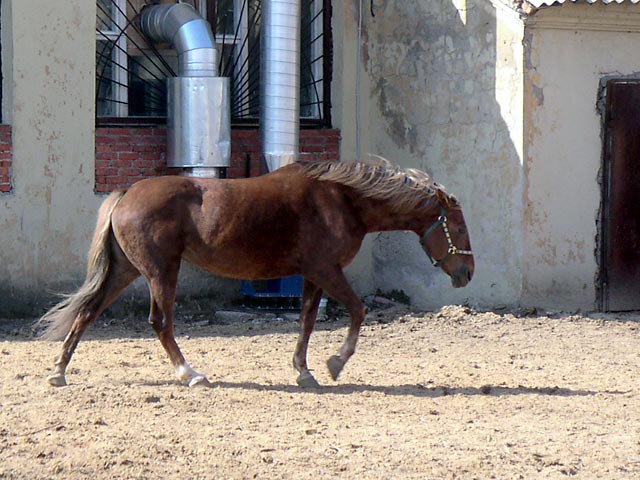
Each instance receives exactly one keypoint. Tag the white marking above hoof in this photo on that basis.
(185, 372)
(189, 376)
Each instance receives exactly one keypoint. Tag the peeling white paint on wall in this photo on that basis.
(48, 101)
(566, 60)
(47, 220)
(435, 102)
(499, 109)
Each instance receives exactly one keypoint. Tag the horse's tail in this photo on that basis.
(57, 322)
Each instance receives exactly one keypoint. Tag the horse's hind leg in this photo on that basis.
(122, 273)
(163, 292)
(311, 295)
(334, 283)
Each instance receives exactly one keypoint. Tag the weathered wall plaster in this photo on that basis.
(569, 49)
(7, 59)
(445, 86)
(432, 100)
(47, 221)
(344, 112)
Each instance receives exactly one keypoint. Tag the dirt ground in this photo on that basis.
(447, 394)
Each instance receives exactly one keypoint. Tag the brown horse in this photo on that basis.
(307, 218)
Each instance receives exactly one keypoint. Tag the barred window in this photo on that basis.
(131, 72)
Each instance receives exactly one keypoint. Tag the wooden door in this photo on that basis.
(620, 235)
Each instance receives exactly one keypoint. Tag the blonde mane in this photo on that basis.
(404, 188)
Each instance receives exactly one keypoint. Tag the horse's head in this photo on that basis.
(446, 242)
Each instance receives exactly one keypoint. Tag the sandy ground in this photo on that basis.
(448, 394)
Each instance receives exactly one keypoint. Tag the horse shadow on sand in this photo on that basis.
(405, 390)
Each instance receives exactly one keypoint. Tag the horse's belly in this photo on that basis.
(244, 265)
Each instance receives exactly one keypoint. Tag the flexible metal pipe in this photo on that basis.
(280, 81)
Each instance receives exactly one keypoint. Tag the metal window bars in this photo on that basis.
(131, 71)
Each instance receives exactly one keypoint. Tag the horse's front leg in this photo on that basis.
(311, 295)
(334, 283)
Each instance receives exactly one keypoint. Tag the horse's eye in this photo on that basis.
(462, 230)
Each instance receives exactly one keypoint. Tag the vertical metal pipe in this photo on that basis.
(280, 81)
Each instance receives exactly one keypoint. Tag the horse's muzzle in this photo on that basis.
(461, 277)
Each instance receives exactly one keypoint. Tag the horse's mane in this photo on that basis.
(405, 188)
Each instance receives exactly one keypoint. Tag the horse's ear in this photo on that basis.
(444, 199)
(441, 195)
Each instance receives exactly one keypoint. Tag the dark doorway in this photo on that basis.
(620, 245)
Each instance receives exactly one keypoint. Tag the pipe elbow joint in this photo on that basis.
(188, 33)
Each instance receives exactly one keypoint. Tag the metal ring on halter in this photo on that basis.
(452, 250)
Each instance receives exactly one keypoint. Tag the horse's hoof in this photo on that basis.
(306, 380)
(57, 380)
(199, 381)
(335, 365)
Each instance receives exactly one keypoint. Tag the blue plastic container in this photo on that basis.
(275, 288)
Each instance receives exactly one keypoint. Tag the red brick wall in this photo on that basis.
(128, 154)
(6, 152)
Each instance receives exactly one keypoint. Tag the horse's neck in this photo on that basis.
(380, 216)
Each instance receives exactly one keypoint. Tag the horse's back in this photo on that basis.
(260, 227)
(158, 192)
(220, 225)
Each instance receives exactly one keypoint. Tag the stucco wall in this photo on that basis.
(47, 220)
(569, 49)
(506, 121)
(343, 111)
(432, 99)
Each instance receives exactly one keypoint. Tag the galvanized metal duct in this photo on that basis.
(190, 35)
(199, 110)
(280, 81)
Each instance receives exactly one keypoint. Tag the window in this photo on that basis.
(111, 59)
(130, 73)
(237, 39)
(312, 73)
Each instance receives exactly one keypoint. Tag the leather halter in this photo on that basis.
(452, 250)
